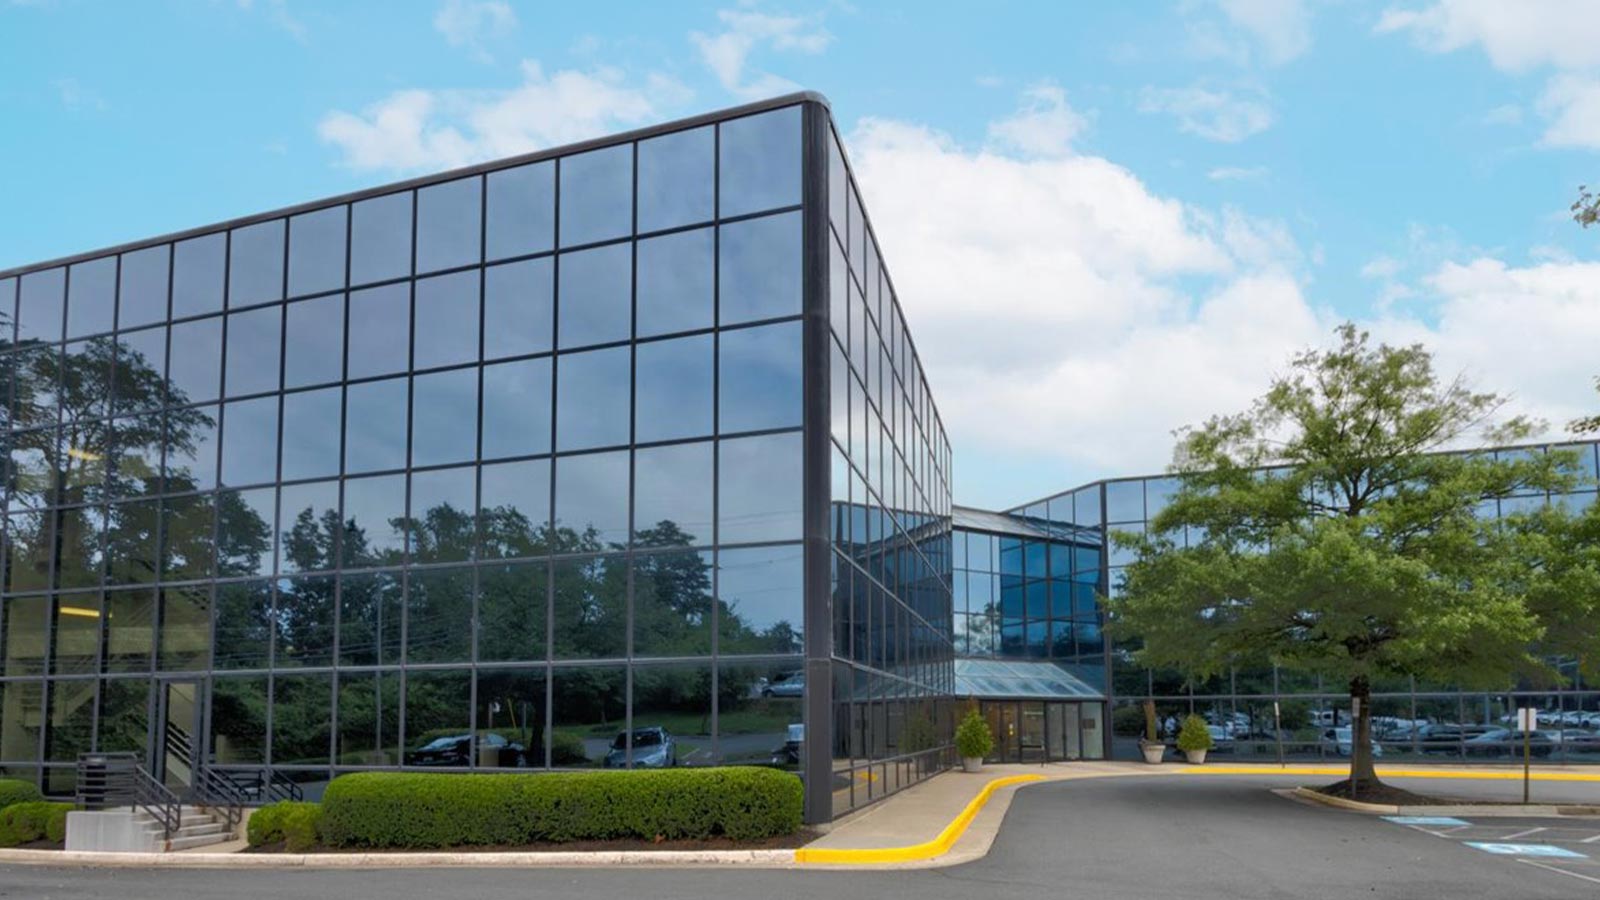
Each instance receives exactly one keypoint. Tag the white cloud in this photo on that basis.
(278, 14)
(1381, 267)
(1505, 114)
(1216, 115)
(1572, 104)
(1516, 35)
(472, 24)
(417, 129)
(1044, 126)
(1070, 317)
(1237, 173)
(727, 53)
(1281, 27)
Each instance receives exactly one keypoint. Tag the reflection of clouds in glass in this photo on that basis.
(673, 484)
(250, 441)
(518, 308)
(316, 251)
(595, 296)
(759, 489)
(596, 195)
(447, 318)
(197, 268)
(375, 430)
(311, 434)
(762, 585)
(143, 297)
(380, 238)
(759, 269)
(196, 372)
(760, 378)
(447, 224)
(760, 162)
(521, 213)
(675, 282)
(380, 330)
(375, 505)
(255, 263)
(516, 408)
(592, 491)
(676, 172)
(314, 347)
(592, 399)
(674, 381)
(444, 417)
(253, 349)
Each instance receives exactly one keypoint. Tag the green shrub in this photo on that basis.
(973, 738)
(34, 820)
(423, 809)
(289, 821)
(566, 749)
(14, 791)
(1194, 735)
(1127, 721)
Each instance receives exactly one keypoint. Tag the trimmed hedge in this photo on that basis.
(297, 824)
(21, 823)
(15, 791)
(431, 810)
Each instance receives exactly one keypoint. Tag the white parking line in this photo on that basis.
(1559, 870)
(1512, 837)
(1590, 840)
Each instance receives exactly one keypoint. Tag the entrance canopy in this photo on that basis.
(1012, 679)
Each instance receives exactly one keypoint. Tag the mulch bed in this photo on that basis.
(40, 845)
(783, 842)
(1378, 792)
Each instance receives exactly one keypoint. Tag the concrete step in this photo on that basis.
(182, 842)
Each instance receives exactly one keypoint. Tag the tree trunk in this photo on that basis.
(1363, 776)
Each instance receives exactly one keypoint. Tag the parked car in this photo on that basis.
(788, 684)
(653, 748)
(793, 741)
(1221, 738)
(456, 750)
(1448, 737)
(1338, 742)
(1505, 742)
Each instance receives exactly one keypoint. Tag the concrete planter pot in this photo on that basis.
(1154, 751)
(972, 764)
(1195, 757)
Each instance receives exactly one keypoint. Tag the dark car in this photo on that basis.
(456, 750)
(1505, 742)
(653, 748)
(1448, 738)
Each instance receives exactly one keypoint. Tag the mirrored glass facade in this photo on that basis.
(509, 467)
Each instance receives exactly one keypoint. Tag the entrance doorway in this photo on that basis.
(179, 706)
(1035, 731)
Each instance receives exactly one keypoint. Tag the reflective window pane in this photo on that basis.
(197, 270)
(314, 342)
(516, 408)
(761, 381)
(250, 441)
(596, 303)
(514, 509)
(42, 305)
(511, 705)
(305, 624)
(759, 591)
(674, 383)
(588, 710)
(244, 625)
(676, 179)
(380, 330)
(253, 351)
(143, 297)
(672, 605)
(672, 495)
(369, 619)
(375, 426)
(445, 409)
(522, 210)
(191, 445)
(369, 719)
(597, 195)
(438, 704)
(446, 320)
(187, 542)
(316, 251)
(132, 551)
(438, 606)
(239, 720)
(196, 373)
(308, 516)
(518, 308)
(592, 493)
(374, 516)
(592, 402)
(443, 527)
(141, 360)
(91, 296)
(759, 269)
(675, 282)
(449, 223)
(255, 264)
(246, 531)
(760, 162)
(302, 708)
(590, 608)
(380, 238)
(311, 433)
(130, 627)
(758, 489)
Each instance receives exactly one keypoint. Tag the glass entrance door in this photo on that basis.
(1031, 731)
(178, 735)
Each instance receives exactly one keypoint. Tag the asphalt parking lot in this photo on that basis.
(1200, 836)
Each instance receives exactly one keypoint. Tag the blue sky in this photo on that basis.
(1105, 221)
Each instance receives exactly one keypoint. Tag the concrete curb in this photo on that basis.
(1482, 810)
(1443, 772)
(914, 852)
(553, 859)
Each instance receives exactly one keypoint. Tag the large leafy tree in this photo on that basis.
(1323, 530)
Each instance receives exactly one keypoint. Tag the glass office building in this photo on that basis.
(522, 465)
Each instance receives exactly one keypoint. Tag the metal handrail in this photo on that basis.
(279, 786)
(218, 792)
(119, 779)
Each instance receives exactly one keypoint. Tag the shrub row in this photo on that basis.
(297, 824)
(430, 810)
(14, 791)
(33, 820)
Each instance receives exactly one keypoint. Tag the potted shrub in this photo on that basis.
(973, 741)
(1151, 744)
(1194, 739)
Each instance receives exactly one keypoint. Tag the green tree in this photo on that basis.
(1327, 532)
(1586, 212)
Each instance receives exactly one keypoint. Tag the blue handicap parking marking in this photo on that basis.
(1423, 820)
(1526, 850)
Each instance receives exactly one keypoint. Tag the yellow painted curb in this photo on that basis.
(914, 852)
(1392, 773)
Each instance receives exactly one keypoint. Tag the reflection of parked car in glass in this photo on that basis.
(1500, 741)
(1221, 739)
(1447, 738)
(789, 684)
(456, 750)
(1338, 742)
(789, 753)
(653, 748)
